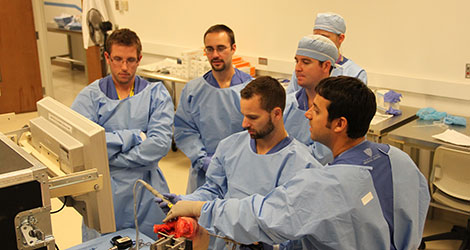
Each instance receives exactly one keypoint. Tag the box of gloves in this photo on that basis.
(387, 99)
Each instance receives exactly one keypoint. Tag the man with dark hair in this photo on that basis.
(256, 160)
(340, 118)
(334, 207)
(209, 107)
(357, 110)
(137, 117)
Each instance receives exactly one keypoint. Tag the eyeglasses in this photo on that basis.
(131, 61)
(219, 49)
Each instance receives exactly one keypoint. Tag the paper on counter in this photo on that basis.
(379, 117)
(149, 67)
(453, 137)
(154, 67)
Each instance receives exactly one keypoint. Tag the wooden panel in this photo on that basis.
(21, 84)
(93, 63)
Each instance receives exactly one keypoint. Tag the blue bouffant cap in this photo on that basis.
(331, 22)
(319, 48)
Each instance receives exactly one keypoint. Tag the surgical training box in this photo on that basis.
(25, 221)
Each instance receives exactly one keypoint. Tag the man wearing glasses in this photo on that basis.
(137, 117)
(209, 106)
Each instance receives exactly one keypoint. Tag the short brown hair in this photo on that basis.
(221, 28)
(124, 37)
(270, 91)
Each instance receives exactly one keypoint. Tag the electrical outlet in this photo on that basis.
(467, 71)
(262, 61)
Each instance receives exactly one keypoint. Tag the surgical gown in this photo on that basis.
(297, 126)
(401, 188)
(150, 111)
(344, 68)
(236, 171)
(325, 208)
(205, 115)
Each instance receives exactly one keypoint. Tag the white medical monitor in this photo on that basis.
(76, 144)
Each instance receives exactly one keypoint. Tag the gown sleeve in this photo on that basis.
(216, 182)
(187, 134)
(158, 134)
(324, 211)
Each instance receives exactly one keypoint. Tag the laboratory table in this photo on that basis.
(53, 27)
(417, 136)
(104, 242)
(378, 131)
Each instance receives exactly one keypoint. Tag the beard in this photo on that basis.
(221, 68)
(264, 131)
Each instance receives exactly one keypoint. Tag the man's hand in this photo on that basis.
(206, 161)
(185, 208)
(173, 198)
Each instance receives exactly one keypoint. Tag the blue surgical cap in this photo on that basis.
(330, 22)
(319, 48)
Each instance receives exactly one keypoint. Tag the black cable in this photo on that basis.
(60, 209)
(56, 247)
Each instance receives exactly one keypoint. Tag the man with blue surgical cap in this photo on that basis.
(333, 27)
(137, 117)
(315, 58)
(258, 159)
(332, 207)
(209, 107)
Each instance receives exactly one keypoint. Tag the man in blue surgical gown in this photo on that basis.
(259, 159)
(315, 58)
(340, 117)
(332, 26)
(137, 117)
(209, 106)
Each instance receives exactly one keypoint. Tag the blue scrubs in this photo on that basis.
(237, 171)
(349, 68)
(151, 111)
(297, 125)
(346, 68)
(401, 188)
(205, 115)
(325, 208)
